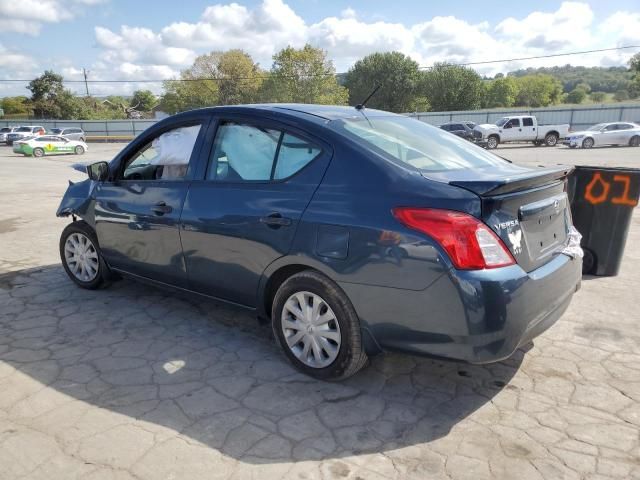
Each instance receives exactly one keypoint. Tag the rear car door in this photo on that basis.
(243, 212)
(528, 129)
(137, 212)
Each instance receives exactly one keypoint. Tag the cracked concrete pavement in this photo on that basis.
(134, 382)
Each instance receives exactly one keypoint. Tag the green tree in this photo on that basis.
(634, 85)
(44, 91)
(598, 97)
(15, 105)
(240, 78)
(303, 75)
(621, 95)
(577, 95)
(143, 100)
(398, 77)
(501, 92)
(452, 87)
(538, 90)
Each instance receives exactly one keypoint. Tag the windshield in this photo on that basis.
(24, 129)
(596, 128)
(502, 121)
(56, 131)
(416, 143)
(5, 129)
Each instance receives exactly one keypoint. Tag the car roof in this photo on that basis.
(313, 112)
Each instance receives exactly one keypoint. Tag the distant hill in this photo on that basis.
(600, 79)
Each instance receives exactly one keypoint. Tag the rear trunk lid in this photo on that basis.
(527, 208)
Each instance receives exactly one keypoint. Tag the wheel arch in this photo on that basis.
(552, 132)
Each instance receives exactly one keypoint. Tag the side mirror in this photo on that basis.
(98, 172)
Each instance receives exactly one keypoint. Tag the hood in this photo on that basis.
(582, 132)
(485, 127)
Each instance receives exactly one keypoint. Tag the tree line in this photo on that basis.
(306, 75)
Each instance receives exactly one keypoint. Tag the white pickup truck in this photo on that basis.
(519, 128)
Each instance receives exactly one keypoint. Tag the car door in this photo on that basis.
(243, 212)
(624, 133)
(137, 212)
(608, 135)
(528, 129)
(511, 131)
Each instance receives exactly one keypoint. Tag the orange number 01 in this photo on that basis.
(606, 186)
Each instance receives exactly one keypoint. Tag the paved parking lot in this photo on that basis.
(136, 382)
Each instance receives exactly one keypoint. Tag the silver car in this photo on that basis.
(4, 131)
(614, 133)
(72, 133)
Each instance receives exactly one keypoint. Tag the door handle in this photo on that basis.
(161, 208)
(275, 220)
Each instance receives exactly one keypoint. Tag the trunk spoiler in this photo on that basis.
(502, 184)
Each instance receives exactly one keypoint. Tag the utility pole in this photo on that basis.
(86, 84)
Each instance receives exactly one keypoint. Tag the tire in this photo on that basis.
(79, 150)
(96, 274)
(334, 364)
(589, 262)
(492, 142)
(635, 141)
(38, 152)
(551, 140)
(587, 142)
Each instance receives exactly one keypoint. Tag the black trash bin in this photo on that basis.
(602, 202)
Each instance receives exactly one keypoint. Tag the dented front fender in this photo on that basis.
(78, 200)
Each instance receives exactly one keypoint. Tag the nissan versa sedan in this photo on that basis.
(615, 133)
(350, 230)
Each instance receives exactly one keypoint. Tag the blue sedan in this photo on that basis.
(350, 230)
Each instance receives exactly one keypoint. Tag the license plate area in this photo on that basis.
(544, 225)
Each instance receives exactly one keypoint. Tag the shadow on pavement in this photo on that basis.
(210, 372)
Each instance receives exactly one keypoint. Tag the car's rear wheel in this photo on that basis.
(38, 152)
(81, 256)
(635, 141)
(492, 142)
(317, 327)
(79, 150)
(587, 142)
(551, 139)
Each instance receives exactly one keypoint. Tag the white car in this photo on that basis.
(4, 131)
(614, 133)
(49, 145)
(24, 132)
(519, 128)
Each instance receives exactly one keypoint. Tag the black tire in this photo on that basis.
(587, 142)
(492, 142)
(81, 227)
(635, 141)
(38, 152)
(351, 356)
(79, 150)
(589, 262)
(551, 140)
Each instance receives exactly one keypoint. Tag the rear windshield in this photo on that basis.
(5, 129)
(416, 143)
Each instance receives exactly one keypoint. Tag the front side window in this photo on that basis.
(415, 143)
(513, 123)
(166, 157)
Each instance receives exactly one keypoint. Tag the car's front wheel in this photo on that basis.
(81, 256)
(492, 142)
(79, 150)
(587, 142)
(317, 327)
(38, 152)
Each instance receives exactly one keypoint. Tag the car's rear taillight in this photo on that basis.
(470, 244)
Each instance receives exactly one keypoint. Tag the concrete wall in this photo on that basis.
(94, 128)
(578, 117)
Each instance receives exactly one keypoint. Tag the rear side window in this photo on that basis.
(527, 122)
(245, 153)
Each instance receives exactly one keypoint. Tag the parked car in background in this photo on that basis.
(461, 129)
(48, 145)
(350, 231)
(24, 132)
(520, 128)
(4, 131)
(72, 133)
(613, 133)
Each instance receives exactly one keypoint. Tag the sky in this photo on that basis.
(144, 39)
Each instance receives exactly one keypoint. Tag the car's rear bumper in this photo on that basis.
(475, 316)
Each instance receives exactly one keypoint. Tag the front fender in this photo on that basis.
(78, 201)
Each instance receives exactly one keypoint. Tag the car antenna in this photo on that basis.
(361, 106)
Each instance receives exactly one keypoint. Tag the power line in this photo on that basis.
(484, 62)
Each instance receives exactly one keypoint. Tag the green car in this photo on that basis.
(49, 145)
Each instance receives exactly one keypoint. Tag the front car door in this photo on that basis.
(243, 211)
(511, 131)
(137, 212)
(608, 135)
